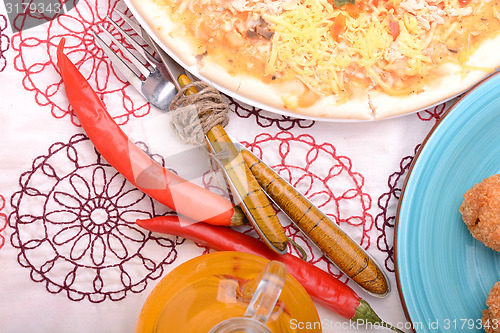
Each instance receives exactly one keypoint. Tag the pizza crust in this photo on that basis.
(447, 88)
(376, 105)
(269, 96)
(453, 83)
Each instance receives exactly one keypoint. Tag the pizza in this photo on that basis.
(341, 59)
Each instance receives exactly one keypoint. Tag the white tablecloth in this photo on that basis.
(59, 277)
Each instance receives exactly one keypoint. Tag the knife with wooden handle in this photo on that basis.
(244, 186)
(336, 245)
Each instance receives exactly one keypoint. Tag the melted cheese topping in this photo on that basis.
(395, 46)
(369, 51)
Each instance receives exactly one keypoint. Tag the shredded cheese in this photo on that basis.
(322, 67)
(303, 41)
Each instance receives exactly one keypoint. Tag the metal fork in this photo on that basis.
(152, 80)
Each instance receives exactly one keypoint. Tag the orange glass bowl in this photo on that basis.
(213, 287)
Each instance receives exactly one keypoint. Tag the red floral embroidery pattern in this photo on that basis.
(74, 225)
(387, 203)
(77, 27)
(337, 190)
(266, 119)
(433, 113)
(3, 221)
(4, 42)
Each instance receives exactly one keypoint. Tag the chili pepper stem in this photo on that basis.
(365, 314)
(238, 217)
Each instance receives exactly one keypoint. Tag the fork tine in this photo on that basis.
(132, 42)
(173, 69)
(140, 31)
(130, 56)
(137, 28)
(130, 75)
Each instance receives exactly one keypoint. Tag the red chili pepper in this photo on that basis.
(323, 288)
(135, 165)
(463, 3)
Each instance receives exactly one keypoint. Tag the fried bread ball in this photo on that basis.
(491, 316)
(481, 211)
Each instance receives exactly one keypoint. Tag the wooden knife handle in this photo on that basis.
(336, 245)
(262, 213)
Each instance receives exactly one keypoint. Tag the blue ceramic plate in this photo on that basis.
(443, 274)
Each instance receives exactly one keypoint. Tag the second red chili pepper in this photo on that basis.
(135, 165)
(323, 288)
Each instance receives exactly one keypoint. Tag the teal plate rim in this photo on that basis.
(416, 303)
